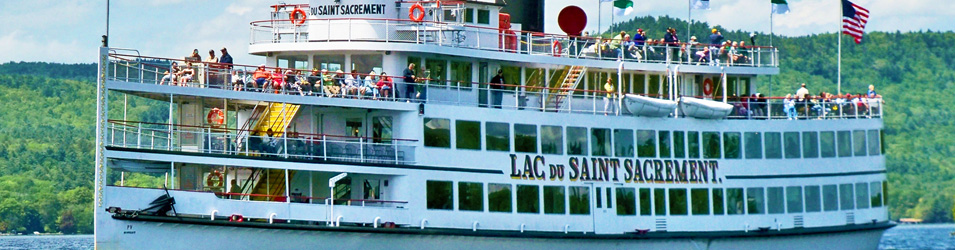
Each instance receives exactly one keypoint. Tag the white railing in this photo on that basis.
(150, 70)
(817, 108)
(221, 141)
(490, 39)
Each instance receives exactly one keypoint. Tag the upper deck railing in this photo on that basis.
(457, 35)
(150, 70)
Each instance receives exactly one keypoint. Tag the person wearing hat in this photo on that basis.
(208, 72)
(369, 86)
(225, 61)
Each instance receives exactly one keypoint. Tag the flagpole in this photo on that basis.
(839, 56)
(689, 18)
(599, 16)
(772, 13)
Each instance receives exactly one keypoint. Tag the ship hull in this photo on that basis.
(191, 233)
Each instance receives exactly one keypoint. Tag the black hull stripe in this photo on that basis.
(517, 234)
(788, 176)
(275, 159)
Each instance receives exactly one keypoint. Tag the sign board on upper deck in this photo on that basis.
(352, 8)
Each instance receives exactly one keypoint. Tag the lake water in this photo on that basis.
(935, 236)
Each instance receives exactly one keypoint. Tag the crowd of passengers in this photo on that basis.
(803, 105)
(640, 47)
(315, 83)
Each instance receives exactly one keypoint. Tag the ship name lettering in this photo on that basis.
(599, 169)
(348, 9)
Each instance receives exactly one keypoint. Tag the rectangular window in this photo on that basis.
(794, 199)
(862, 195)
(731, 145)
(576, 141)
(626, 201)
(528, 199)
(874, 143)
(774, 145)
(497, 137)
(659, 201)
(597, 196)
(609, 199)
(827, 144)
(846, 201)
(552, 140)
(844, 140)
(484, 16)
(461, 74)
(470, 196)
(601, 139)
(468, 134)
(367, 63)
(623, 142)
(700, 197)
(755, 201)
(664, 139)
(845, 197)
(813, 199)
(646, 144)
(439, 195)
(830, 198)
(437, 132)
(810, 144)
(858, 143)
(774, 200)
(791, 139)
(693, 144)
(711, 145)
(876, 194)
(579, 200)
(554, 200)
(469, 15)
(718, 201)
(679, 144)
(525, 138)
(499, 197)
(678, 201)
(734, 201)
(753, 144)
(644, 201)
(435, 71)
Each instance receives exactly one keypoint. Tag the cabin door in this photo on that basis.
(603, 207)
(482, 86)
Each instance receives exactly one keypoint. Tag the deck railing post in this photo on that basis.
(324, 148)
(361, 149)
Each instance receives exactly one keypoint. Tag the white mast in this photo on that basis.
(839, 56)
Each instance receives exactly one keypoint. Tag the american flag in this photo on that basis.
(854, 18)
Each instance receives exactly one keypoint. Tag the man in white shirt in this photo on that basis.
(802, 92)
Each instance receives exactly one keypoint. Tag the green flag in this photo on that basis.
(621, 7)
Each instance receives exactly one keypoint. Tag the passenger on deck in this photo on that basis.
(352, 82)
(609, 106)
(497, 89)
(234, 190)
(328, 81)
(237, 81)
(292, 84)
(385, 85)
(170, 77)
(410, 78)
(742, 55)
(672, 41)
(629, 49)
(640, 38)
(278, 80)
(703, 56)
(262, 78)
(789, 107)
(186, 75)
(369, 86)
(314, 82)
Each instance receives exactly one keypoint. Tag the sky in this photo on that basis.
(68, 31)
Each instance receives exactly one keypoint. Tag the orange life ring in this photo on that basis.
(557, 47)
(419, 16)
(707, 86)
(214, 179)
(295, 13)
(216, 117)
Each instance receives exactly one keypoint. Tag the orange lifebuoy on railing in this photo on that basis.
(293, 17)
(214, 179)
(416, 17)
(215, 117)
(707, 86)
(557, 47)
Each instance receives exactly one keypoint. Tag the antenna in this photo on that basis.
(106, 37)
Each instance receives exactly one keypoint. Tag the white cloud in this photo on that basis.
(21, 46)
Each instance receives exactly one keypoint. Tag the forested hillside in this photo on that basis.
(47, 121)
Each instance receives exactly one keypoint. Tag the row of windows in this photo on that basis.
(650, 143)
(575, 200)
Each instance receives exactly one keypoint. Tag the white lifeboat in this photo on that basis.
(646, 106)
(704, 109)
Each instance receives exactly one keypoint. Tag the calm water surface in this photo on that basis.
(937, 236)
